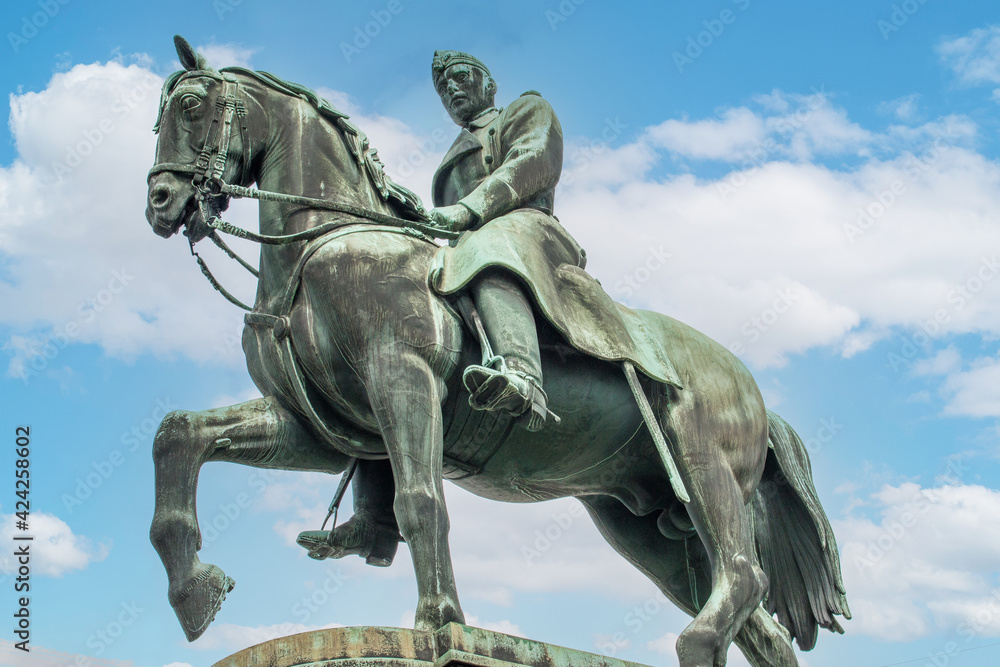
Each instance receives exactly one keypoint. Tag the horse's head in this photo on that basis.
(203, 140)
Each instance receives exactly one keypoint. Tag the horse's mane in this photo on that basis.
(404, 201)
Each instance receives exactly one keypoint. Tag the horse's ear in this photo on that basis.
(186, 53)
(190, 59)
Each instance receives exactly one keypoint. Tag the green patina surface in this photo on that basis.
(454, 645)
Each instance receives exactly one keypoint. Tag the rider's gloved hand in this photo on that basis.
(457, 218)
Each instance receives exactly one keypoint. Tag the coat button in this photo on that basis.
(489, 159)
(493, 131)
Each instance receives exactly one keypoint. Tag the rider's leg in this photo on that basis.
(509, 322)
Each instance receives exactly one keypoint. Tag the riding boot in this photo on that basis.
(372, 532)
(509, 322)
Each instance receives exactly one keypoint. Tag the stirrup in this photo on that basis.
(514, 392)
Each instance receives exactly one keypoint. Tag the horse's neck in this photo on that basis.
(304, 155)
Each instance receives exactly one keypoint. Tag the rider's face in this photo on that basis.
(465, 92)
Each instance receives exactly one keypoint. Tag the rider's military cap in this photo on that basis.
(445, 59)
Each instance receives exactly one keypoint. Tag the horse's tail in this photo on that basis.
(795, 542)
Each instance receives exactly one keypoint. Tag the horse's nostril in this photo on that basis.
(159, 196)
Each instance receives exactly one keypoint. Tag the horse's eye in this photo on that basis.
(189, 103)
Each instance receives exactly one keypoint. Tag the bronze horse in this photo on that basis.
(377, 375)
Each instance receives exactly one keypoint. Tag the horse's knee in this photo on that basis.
(176, 429)
(418, 511)
(172, 527)
(745, 581)
(754, 577)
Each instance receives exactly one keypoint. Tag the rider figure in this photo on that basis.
(503, 162)
(500, 172)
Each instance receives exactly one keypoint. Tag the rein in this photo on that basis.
(206, 178)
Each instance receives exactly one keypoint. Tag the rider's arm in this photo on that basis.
(531, 147)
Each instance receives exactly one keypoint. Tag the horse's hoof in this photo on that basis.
(200, 600)
(435, 612)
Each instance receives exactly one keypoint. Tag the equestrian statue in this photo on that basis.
(495, 361)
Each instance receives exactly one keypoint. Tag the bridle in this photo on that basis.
(213, 193)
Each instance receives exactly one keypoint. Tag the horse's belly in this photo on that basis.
(600, 446)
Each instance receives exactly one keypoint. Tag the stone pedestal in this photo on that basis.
(453, 645)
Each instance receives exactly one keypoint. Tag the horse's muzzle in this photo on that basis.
(166, 208)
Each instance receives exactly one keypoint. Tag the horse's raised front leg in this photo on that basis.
(259, 433)
(406, 397)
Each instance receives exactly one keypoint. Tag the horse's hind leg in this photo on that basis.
(719, 445)
(259, 433)
(762, 640)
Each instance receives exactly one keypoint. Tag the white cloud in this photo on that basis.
(501, 549)
(904, 108)
(862, 259)
(945, 361)
(231, 637)
(249, 394)
(39, 656)
(975, 57)
(974, 392)
(226, 55)
(84, 266)
(736, 133)
(82, 263)
(665, 645)
(505, 626)
(55, 549)
(410, 158)
(178, 664)
(785, 126)
(865, 250)
(928, 563)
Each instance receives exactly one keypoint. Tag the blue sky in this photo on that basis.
(840, 159)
